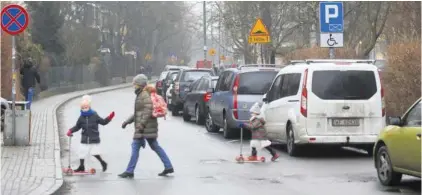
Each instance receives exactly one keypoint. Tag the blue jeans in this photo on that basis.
(28, 97)
(153, 144)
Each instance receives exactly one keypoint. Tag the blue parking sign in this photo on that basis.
(331, 17)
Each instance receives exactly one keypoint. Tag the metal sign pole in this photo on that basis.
(14, 89)
(332, 53)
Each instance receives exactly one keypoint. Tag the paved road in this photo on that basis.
(204, 163)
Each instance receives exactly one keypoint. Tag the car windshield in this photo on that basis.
(255, 82)
(194, 75)
(344, 85)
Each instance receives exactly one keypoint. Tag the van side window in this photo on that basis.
(227, 81)
(275, 89)
(294, 82)
(290, 85)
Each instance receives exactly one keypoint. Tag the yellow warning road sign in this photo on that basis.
(259, 33)
(211, 52)
(222, 57)
(148, 56)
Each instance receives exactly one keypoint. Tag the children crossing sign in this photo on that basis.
(259, 33)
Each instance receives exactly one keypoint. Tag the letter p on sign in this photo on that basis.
(328, 15)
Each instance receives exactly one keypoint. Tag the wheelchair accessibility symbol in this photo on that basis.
(331, 41)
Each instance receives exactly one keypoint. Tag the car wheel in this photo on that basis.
(200, 119)
(186, 116)
(292, 148)
(209, 125)
(228, 133)
(386, 175)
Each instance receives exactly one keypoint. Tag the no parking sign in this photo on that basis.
(14, 19)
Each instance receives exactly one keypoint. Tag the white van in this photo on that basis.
(338, 102)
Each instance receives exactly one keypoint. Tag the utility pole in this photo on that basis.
(219, 39)
(205, 32)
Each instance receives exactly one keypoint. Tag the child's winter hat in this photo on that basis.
(255, 108)
(86, 101)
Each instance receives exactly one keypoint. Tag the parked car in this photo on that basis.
(236, 91)
(168, 81)
(331, 102)
(398, 148)
(159, 83)
(183, 80)
(4, 106)
(197, 98)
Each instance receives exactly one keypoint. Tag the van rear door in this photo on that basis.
(344, 100)
(252, 85)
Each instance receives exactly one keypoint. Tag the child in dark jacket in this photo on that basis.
(259, 134)
(90, 139)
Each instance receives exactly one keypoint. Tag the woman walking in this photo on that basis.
(146, 129)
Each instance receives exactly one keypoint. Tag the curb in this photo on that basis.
(57, 149)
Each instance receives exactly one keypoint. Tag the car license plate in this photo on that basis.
(345, 122)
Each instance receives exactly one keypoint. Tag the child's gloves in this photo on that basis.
(69, 133)
(124, 125)
(111, 116)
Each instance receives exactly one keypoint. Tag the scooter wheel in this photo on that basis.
(262, 159)
(240, 159)
(92, 171)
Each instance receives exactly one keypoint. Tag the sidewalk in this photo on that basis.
(37, 169)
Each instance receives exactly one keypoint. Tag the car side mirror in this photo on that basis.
(210, 90)
(264, 98)
(396, 121)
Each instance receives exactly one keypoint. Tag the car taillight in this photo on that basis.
(235, 88)
(382, 96)
(207, 97)
(304, 98)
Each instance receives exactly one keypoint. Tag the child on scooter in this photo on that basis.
(259, 134)
(90, 139)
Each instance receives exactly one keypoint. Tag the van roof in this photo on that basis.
(301, 65)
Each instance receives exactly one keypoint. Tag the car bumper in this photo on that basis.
(337, 139)
(234, 123)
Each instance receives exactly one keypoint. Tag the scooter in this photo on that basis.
(240, 158)
(69, 171)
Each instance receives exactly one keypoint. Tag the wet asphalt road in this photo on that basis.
(204, 162)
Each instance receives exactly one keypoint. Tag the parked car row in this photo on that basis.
(307, 103)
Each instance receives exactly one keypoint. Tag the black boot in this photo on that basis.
(103, 163)
(81, 167)
(126, 175)
(166, 171)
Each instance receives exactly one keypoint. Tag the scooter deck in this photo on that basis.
(68, 171)
(245, 160)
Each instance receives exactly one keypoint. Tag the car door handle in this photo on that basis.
(293, 100)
